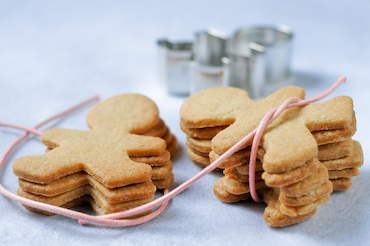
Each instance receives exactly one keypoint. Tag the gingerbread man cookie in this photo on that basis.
(113, 164)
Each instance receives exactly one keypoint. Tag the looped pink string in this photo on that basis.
(269, 117)
(112, 219)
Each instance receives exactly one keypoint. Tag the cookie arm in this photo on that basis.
(337, 113)
(54, 137)
(287, 146)
(47, 167)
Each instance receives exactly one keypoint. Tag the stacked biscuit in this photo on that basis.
(342, 158)
(289, 176)
(198, 143)
(115, 166)
(161, 165)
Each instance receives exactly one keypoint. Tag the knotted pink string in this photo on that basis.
(111, 219)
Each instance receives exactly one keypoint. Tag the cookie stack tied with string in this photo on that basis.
(289, 176)
(117, 165)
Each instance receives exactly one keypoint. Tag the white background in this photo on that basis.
(54, 54)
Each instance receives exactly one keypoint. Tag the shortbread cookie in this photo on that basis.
(70, 196)
(164, 183)
(201, 133)
(161, 165)
(355, 159)
(274, 217)
(289, 144)
(304, 209)
(292, 176)
(246, 114)
(307, 185)
(335, 150)
(154, 161)
(343, 169)
(201, 145)
(332, 136)
(341, 183)
(309, 198)
(225, 196)
(232, 172)
(161, 172)
(244, 169)
(158, 130)
(343, 173)
(236, 187)
(197, 158)
(173, 145)
(238, 158)
(78, 151)
(73, 181)
(110, 166)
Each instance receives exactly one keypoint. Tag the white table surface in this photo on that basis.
(54, 54)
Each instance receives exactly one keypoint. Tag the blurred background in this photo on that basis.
(97, 44)
(54, 54)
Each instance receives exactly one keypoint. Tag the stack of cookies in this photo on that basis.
(117, 165)
(289, 176)
(342, 159)
(198, 142)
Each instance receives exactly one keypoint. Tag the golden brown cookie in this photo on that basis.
(162, 172)
(332, 136)
(200, 145)
(110, 166)
(305, 186)
(197, 158)
(173, 145)
(224, 106)
(73, 181)
(274, 217)
(76, 151)
(154, 161)
(164, 183)
(289, 144)
(341, 183)
(304, 209)
(237, 159)
(201, 133)
(292, 176)
(344, 173)
(335, 150)
(355, 159)
(236, 187)
(309, 198)
(158, 130)
(244, 169)
(225, 196)
(232, 172)
(106, 207)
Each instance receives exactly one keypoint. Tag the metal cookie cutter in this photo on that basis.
(258, 59)
(174, 58)
(206, 68)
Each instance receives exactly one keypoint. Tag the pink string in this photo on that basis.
(28, 130)
(111, 219)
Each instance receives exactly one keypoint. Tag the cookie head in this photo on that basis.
(134, 112)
